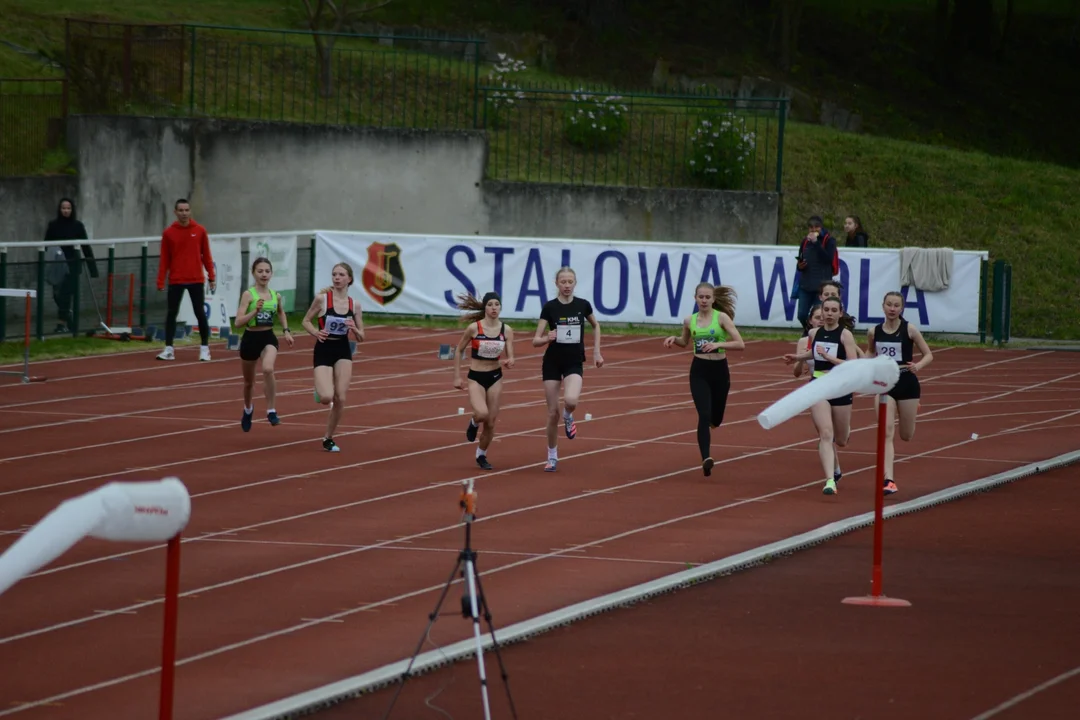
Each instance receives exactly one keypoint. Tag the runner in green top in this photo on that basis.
(259, 306)
(712, 332)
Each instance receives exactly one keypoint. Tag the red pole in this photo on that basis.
(131, 299)
(168, 645)
(879, 495)
(108, 301)
(26, 342)
(875, 598)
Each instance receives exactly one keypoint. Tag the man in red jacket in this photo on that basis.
(185, 252)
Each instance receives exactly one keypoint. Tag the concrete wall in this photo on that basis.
(27, 204)
(243, 176)
(260, 177)
(614, 213)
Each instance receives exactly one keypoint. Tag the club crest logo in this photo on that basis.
(383, 277)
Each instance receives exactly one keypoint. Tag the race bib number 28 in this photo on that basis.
(890, 350)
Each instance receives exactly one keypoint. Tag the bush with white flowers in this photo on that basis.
(723, 151)
(501, 100)
(596, 122)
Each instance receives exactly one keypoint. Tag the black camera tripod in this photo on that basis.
(472, 602)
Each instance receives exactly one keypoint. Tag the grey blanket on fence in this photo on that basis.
(928, 269)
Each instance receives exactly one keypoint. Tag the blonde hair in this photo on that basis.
(565, 269)
(724, 297)
(348, 271)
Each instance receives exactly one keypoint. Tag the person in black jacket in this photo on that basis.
(67, 227)
(817, 263)
(856, 235)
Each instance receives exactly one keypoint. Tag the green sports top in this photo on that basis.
(265, 317)
(713, 333)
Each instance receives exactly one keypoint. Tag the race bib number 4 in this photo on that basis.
(890, 350)
(569, 334)
(336, 326)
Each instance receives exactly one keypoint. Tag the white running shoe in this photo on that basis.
(204, 354)
(166, 354)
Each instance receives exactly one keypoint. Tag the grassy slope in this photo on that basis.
(916, 195)
(906, 193)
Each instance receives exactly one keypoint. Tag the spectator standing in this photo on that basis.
(818, 262)
(185, 254)
(64, 279)
(857, 236)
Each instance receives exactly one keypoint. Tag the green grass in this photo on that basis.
(916, 195)
(55, 348)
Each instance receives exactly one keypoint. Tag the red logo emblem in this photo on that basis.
(383, 278)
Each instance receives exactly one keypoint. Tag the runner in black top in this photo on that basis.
(490, 339)
(562, 329)
(340, 320)
(830, 344)
(897, 338)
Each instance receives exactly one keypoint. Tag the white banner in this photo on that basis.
(231, 277)
(281, 250)
(628, 282)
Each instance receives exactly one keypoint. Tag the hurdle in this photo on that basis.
(865, 376)
(129, 512)
(29, 295)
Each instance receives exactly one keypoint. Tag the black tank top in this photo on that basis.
(486, 347)
(333, 321)
(896, 345)
(827, 341)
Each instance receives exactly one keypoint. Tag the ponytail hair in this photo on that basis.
(724, 297)
(475, 309)
(846, 321)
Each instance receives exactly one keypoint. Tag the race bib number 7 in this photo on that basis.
(568, 334)
(822, 349)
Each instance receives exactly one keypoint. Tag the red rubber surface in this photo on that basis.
(302, 567)
(994, 589)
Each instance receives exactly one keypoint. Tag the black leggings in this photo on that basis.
(198, 300)
(710, 382)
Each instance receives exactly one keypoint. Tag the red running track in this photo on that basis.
(301, 567)
(992, 633)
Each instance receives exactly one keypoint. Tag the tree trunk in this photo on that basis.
(1005, 26)
(942, 35)
(790, 19)
(325, 54)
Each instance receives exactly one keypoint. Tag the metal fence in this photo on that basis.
(131, 263)
(603, 137)
(32, 114)
(536, 132)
